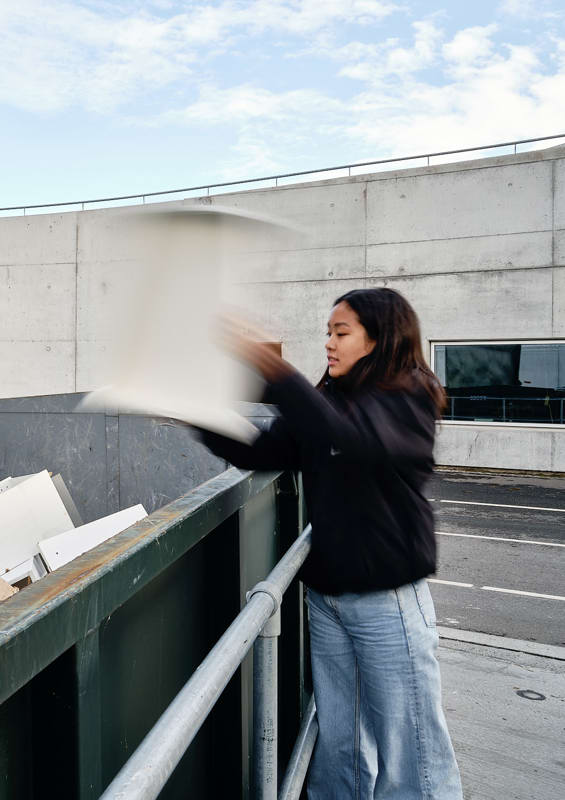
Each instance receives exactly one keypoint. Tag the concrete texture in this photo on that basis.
(477, 246)
(508, 745)
(558, 294)
(508, 304)
(483, 201)
(466, 254)
(501, 447)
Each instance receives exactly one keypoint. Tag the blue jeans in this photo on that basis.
(382, 732)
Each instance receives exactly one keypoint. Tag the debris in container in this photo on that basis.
(67, 500)
(61, 549)
(32, 569)
(30, 510)
(6, 590)
(41, 529)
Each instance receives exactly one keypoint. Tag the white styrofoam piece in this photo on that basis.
(5, 483)
(30, 568)
(61, 549)
(30, 511)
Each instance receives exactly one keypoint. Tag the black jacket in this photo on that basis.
(364, 464)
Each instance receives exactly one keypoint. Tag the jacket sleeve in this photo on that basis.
(377, 428)
(274, 448)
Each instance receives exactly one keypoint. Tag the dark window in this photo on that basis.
(503, 382)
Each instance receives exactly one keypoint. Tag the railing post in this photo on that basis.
(265, 709)
(265, 703)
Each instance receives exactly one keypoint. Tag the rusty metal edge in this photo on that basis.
(47, 618)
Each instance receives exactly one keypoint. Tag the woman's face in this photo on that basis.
(347, 340)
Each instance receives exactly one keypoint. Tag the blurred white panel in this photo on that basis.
(186, 265)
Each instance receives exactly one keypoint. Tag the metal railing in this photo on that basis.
(206, 187)
(146, 772)
(511, 409)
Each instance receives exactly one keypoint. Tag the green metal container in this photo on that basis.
(92, 654)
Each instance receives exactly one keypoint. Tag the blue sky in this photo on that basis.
(102, 98)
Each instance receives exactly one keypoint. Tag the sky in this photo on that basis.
(101, 98)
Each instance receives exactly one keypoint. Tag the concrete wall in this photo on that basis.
(478, 247)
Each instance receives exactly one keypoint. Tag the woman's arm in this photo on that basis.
(275, 448)
(396, 428)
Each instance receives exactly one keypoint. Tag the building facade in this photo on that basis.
(478, 248)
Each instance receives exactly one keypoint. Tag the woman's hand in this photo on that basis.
(246, 343)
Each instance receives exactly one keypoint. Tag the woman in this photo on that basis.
(363, 440)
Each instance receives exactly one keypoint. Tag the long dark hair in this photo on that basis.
(396, 361)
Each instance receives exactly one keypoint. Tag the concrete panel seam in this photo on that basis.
(460, 238)
(301, 280)
(553, 215)
(366, 218)
(39, 341)
(401, 277)
(552, 300)
(76, 303)
(11, 265)
(314, 249)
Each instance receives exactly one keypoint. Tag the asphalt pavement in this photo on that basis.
(500, 601)
(501, 545)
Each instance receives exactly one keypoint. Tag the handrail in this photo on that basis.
(145, 773)
(276, 178)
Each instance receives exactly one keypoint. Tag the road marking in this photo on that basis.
(451, 583)
(499, 505)
(500, 539)
(527, 594)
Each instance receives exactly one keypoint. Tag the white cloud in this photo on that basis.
(376, 62)
(492, 95)
(405, 93)
(470, 45)
(519, 8)
(247, 103)
(98, 54)
(532, 9)
(59, 54)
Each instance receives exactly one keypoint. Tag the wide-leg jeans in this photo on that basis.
(382, 731)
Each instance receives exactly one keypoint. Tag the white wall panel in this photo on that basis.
(37, 302)
(331, 215)
(559, 194)
(537, 449)
(474, 202)
(460, 255)
(494, 305)
(38, 239)
(34, 368)
(323, 264)
(559, 302)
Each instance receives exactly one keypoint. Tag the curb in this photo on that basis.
(502, 643)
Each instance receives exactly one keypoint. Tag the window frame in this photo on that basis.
(552, 426)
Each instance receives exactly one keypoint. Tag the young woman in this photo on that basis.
(363, 440)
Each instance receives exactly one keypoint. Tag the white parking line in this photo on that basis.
(497, 589)
(500, 505)
(527, 594)
(451, 583)
(500, 539)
